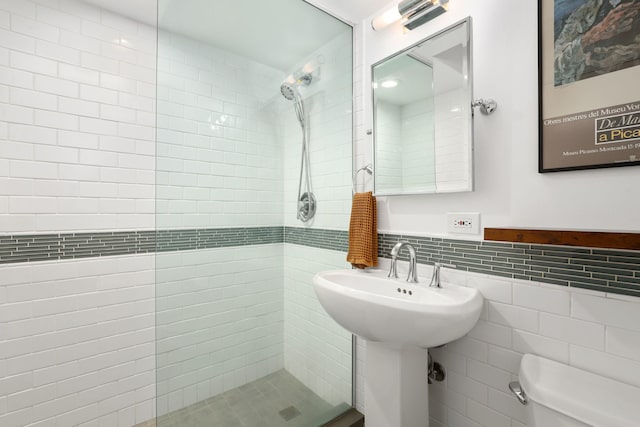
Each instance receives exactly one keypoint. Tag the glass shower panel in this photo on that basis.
(228, 286)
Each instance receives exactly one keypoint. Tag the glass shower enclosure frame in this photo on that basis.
(240, 337)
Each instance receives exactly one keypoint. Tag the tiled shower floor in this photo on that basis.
(276, 400)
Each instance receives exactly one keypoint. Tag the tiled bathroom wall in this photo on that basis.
(420, 171)
(225, 137)
(389, 155)
(452, 156)
(219, 318)
(77, 100)
(540, 299)
(77, 88)
(219, 311)
(317, 350)
(325, 369)
(78, 169)
(219, 157)
(590, 330)
(329, 102)
(545, 302)
(78, 342)
(418, 146)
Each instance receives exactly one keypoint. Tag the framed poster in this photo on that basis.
(589, 60)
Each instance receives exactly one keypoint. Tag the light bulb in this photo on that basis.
(386, 18)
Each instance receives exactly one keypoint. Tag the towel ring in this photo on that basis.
(368, 168)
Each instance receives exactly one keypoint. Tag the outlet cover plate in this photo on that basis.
(463, 223)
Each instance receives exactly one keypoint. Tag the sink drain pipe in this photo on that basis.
(435, 370)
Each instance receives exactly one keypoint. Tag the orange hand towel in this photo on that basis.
(363, 231)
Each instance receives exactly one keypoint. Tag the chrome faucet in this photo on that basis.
(435, 279)
(412, 277)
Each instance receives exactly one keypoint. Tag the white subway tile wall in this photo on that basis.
(79, 336)
(220, 161)
(78, 118)
(77, 149)
(219, 321)
(78, 342)
(451, 131)
(329, 103)
(389, 152)
(317, 350)
(219, 158)
(594, 331)
(404, 141)
(418, 155)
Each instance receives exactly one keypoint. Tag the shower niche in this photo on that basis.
(422, 115)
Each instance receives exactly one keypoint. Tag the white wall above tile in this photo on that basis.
(509, 192)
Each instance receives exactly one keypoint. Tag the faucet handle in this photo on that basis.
(435, 279)
(393, 270)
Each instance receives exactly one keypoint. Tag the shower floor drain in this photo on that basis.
(289, 413)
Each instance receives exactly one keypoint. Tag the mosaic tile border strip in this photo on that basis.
(605, 270)
(208, 238)
(336, 240)
(50, 247)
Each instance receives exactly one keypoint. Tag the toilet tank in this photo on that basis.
(559, 395)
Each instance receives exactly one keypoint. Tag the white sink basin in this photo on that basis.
(368, 304)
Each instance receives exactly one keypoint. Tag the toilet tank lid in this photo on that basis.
(587, 397)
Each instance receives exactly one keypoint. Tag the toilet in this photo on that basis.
(558, 395)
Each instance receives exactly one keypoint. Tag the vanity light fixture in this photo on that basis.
(412, 13)
(437, 8)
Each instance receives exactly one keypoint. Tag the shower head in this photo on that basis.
(289, 91)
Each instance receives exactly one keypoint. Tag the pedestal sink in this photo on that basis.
(400, 321)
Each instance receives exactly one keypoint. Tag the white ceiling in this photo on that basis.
(352, 10)
(278, 33)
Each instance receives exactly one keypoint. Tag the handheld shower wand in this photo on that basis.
(306, 208)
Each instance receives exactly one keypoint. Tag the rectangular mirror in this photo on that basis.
(422, 116)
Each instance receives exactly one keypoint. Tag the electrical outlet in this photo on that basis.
(463, 223)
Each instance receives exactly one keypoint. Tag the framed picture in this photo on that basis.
(589, 83)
